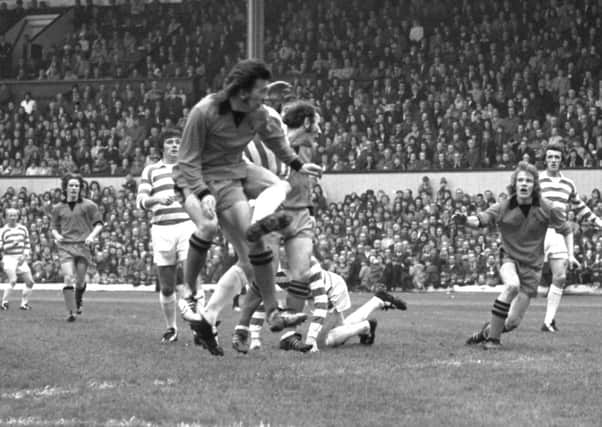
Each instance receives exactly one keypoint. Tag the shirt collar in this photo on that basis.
(514, 202)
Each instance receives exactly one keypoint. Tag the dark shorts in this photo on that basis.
(303, 224)
(75, 252)
(231, 191)
(529, 276)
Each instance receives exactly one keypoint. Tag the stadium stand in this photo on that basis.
(445, 85)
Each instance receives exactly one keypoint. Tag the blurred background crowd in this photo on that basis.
(403, 85)
(405, 241)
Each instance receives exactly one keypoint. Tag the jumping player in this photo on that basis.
(216, 184)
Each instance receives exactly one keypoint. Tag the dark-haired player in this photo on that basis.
(217, 183)
(559, 191)
(76, 221)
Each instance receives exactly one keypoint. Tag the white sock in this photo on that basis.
(554, 297)
(168, 306)
(340, 334)
(230, 284)
(363, 312)
(25, 295)
(7, 292)
(268, 201)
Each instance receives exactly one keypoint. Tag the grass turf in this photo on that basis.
(108, 368)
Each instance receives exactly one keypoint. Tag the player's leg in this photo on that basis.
(68, 271)
(27, 290)
(10, 268)
(199, 243)
(558, 266)
(167, 299)
(305, 283)
(493, 329)
(81, 272)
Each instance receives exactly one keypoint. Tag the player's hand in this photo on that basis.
(59, 238)
(89, 241)
(573, 262)
(165, 200)
(208, 206)
(311, 169)
(459, 218)
(20, 260)
(314, 348)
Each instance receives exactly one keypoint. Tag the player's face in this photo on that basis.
(255, 98)
(73, 188)
(553, 159)
(12, 217)
(171, 146)
(524, 185)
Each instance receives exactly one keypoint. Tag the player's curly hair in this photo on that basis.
(244, 75)
(295, 113)
(531, 170)
(65, 180)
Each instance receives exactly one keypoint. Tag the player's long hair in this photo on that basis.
(244, 75)
(531, 170)
(65, 180)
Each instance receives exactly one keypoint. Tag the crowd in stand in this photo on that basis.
(400, 241)
(405, 86)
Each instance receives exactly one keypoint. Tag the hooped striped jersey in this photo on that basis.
(157, 180)
(14, 240)
(258, 153)
(560, 191)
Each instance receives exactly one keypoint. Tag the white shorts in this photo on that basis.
(170, 242)
(554, 245)
(336, 289)
(12, 269)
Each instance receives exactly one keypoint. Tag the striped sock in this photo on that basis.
(499, 313)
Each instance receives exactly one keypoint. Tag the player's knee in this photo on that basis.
(511, 290)
(559, 279)
(167, 290)
(206, 231)
(245, 267)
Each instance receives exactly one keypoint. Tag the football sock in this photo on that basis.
(499, 313)
(340, 334)
(554, 297)
(365, 310)
(252, 307)
(7, 290)
(79, 294)
(257, 323)
(168, 307)
(268, 201)
(264, 278)
(229, 285)
(195, 260)
(69, 297)
(25, 295)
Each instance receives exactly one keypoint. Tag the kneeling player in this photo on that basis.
(358, 323)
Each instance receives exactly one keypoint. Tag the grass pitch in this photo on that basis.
(108, 368)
